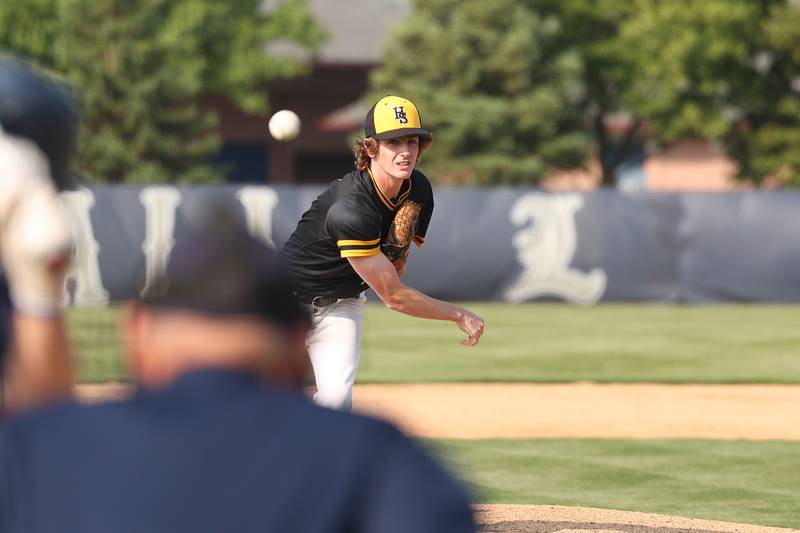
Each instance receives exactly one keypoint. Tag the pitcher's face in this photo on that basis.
(397, 157)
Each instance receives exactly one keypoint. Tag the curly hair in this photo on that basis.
(365, 149)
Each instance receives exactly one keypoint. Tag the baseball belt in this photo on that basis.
(316, 301)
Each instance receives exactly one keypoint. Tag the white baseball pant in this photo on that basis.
(334, 347)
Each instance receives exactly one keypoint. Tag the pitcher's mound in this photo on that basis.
(559, 519)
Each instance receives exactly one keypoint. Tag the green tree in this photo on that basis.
(592, 27)
(495, 84)
(142, 67)
(517, 88)
(772, 126)
(29, 28)
(726, 70)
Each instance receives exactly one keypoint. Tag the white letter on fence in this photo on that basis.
(258, 203)
(84, 273)
(546, 248)
(159, 205)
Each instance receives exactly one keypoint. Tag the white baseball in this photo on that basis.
(284, 125)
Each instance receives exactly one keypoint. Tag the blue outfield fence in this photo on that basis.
(486, 244)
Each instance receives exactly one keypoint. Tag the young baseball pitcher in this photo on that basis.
(356, 235)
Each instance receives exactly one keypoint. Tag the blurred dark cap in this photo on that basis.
(42, 110)
(218, 268)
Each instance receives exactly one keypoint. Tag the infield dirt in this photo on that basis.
(587, 410)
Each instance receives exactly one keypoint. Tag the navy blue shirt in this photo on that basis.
(219, 452)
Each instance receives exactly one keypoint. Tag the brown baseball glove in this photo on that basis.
(401, 233)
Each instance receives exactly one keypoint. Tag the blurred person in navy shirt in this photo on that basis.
(219, 435)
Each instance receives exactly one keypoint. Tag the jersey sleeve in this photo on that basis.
(422, 194)
(355, 226)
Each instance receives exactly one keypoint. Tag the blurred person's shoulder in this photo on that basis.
(397, 473)
(66, 414)
(235, 420)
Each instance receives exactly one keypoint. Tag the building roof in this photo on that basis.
(357, 29)
(347, 118)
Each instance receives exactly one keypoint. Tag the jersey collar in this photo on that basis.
(388, 202)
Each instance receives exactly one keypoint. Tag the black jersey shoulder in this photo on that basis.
(421, 189)
(355, 225)
(422, 193)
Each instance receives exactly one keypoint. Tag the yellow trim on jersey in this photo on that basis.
(419, 241)
(382, 197)
(385, 199)
(352, 242)
(404, 195)
(360, 253)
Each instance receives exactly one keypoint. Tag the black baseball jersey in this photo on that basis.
(350, 219)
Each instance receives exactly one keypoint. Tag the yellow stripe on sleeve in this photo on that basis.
(352, 242)
(361, 253)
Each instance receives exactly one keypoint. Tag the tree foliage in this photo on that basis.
(516, 88)
(774, 126)
(727, 70)
(141, 68)
(592, 28)
(493, 84)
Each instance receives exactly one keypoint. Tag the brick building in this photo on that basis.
(327, 100)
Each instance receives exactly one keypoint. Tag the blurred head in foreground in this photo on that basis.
(40, 111)
(223, 303)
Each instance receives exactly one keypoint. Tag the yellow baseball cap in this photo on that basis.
(394, 116)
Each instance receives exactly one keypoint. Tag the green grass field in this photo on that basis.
(546, 343)
(608, 343)
(95, 336)
(749, 482)
(736, 481)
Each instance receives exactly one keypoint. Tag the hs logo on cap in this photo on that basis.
(400, 115)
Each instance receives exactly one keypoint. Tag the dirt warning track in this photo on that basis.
(587, 410)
